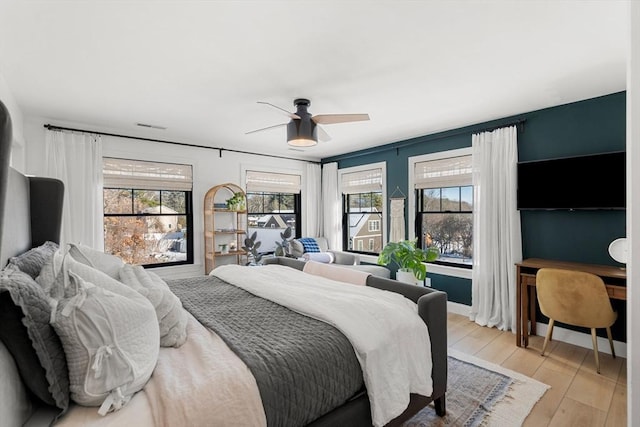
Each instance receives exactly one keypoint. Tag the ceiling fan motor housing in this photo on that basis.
(302, 131)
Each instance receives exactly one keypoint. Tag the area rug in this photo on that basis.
(480, 393)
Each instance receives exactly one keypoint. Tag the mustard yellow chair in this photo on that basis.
(575, 298)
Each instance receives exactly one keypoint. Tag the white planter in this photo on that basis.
(406, 277)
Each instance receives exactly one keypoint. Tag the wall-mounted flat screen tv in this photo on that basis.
(596, 181)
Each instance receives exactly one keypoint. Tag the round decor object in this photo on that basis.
(618, 250)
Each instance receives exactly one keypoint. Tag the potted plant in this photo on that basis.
(409, 259)
(251, 247)
(236, 202)
(282, 248)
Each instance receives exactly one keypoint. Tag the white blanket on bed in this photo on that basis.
(390, 339)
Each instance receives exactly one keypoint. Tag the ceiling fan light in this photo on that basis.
(302, 142)
(301, 133)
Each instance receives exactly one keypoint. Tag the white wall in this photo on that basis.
(633, 217)
(209, 169)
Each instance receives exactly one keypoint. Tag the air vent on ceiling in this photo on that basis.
(145, 125)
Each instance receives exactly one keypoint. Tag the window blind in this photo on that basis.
(364, 181)
(270, 182)
(440, 173)
(143, 175)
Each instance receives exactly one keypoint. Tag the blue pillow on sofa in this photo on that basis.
(309, 244)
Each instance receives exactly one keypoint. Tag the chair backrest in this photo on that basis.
(574, 297)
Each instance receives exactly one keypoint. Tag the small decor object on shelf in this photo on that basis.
(233, 245)
(408, 258)
(237, 202)
(224, 248)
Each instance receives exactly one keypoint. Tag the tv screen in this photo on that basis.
(596, 181)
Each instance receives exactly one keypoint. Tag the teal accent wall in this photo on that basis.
(586, 127)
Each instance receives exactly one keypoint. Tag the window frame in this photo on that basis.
(446, 270)
(188, 214)
(298, 197)
(364, 255)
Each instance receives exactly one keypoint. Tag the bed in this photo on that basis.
(319, 381)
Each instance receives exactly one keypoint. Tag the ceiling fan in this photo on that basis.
(303, 129)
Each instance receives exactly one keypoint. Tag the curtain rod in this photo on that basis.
(421, 139)
(220, 149)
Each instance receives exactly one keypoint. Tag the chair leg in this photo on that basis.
(595, 348)
(613, 352)
(547, 338)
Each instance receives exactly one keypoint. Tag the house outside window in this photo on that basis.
(148, 213)
(363, 208)
(273, 204)
(444, 208)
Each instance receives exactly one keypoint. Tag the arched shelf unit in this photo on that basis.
(225, 228)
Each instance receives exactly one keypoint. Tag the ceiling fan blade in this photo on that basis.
(268, 127)
(290, 114)
(322, 135)
(328, 119)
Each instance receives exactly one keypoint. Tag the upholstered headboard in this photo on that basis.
(30, 214)
(30, 207)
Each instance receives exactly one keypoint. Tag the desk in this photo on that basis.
(615, 279)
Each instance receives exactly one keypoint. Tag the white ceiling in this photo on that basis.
(198, 68)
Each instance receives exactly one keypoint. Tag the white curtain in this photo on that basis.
(312, 192)
(396, 233)
(331, 206)
(497, 241)
(76, 159)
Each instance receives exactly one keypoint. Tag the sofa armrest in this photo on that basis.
(345, 258)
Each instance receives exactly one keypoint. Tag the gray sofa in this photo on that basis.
(432, 308)
(345, 259)
(340, 257)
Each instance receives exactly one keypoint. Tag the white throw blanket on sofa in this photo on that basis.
(390, 340)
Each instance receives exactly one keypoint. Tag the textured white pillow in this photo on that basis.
(111, 343)
(107, 263)
(172, 318)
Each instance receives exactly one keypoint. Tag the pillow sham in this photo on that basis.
(111, 343)
(25, 330)
(335, 272)
(107, 263)
(55, 278)
(172, 318)
(32, 261)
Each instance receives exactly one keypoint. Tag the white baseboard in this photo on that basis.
(569, 336)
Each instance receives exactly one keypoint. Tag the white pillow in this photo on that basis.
(107, 263)
(172, 318)
(324, 257)
(111, 343)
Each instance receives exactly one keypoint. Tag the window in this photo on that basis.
(273, 204)
(444, 208)
(148, 212)
(362, 195)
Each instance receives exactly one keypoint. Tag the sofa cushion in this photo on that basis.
(298, 248)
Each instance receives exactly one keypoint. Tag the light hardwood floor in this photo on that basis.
(578, 395)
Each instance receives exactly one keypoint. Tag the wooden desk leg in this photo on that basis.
(518, 307)
(525, 314)
(532, 310)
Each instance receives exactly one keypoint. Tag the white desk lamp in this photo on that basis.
(618, 250)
